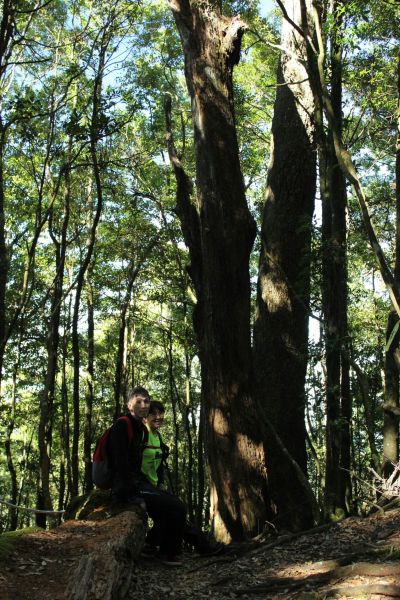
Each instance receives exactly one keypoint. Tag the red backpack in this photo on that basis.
(101, 470)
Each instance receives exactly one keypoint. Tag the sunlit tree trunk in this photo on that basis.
(283, 294)
(219, 232)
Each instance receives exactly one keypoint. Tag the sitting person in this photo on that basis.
(130, 484)
(154, 467)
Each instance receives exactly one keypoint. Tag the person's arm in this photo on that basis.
(163, 465)
(120, 450)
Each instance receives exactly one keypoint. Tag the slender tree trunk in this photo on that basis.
(174, 400)
(367, 403)
(65, 418)
(13, 512)
(185, 411)
(316, 72)
(3, 254)
(94, 136)
(392, 362)
(200, 470)
(120, 379)
(87, 440)
(46, 422)
(334, 238)
(219, 232)
(186, 420)
(7, 30)
(283, 295)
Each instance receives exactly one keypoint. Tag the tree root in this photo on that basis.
(364, 590)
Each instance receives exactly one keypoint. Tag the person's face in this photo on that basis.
(155, 419)
(138, 406)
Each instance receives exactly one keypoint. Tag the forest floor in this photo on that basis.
(358, 558)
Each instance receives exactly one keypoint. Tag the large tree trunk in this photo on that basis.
(220, 233)
(281, 326)
(392, 361)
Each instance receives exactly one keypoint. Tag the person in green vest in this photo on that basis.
(154, 469)
(155, 451)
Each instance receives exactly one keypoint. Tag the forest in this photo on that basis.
(202, 197)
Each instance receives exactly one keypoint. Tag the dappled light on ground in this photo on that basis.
(357, 558)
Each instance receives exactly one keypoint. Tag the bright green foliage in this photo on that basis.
(47, 111)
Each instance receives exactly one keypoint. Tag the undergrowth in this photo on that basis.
(7, 540)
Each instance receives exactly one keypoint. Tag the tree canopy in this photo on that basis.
(149, 228)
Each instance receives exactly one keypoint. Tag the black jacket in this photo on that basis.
(125, 456)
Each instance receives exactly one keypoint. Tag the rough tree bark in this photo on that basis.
(281, 325)
(392, 362)
(219, 232)
(334, 297)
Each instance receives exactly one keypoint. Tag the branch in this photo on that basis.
(348, 168)
(289, 20)
(185, 208)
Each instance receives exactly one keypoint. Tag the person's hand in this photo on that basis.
(137, 501)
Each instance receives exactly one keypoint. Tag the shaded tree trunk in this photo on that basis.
(219, 232)
(7, 30)
(392, 361)
(66, 470)
(283, 291)
(200, 470)
(334, 298)
(186, 420)
(94, 137)
(87, 438)
(46, 422)
(3, 254)
(13, 512)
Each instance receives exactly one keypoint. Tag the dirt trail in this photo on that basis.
(357, 558)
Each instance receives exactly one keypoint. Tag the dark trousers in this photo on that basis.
(169, 516)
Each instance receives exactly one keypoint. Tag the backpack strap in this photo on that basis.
(164, 448)
(144, 432)
(130, 426)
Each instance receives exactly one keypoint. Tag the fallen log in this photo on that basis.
(90, 559)
(105, 569)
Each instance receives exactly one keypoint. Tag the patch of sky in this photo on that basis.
(266, 6)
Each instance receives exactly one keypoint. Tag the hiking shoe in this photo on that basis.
(148, 551)
(170, 559)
